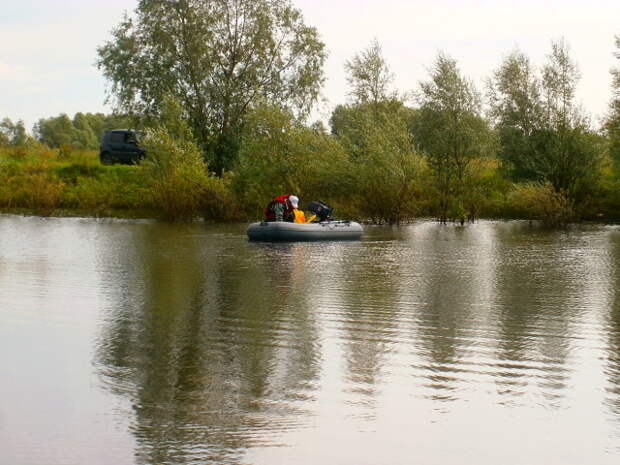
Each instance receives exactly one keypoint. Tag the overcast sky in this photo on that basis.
(48, 47)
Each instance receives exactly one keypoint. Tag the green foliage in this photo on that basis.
(279, 155)
(180, 185)
(29, 186)
(612, 124)
(109, 188)
(84, 132)
(218, 58)
(537, 201)
(544, 135)
(13, 134)
(450, 130)
(369, 76)
(383, 163)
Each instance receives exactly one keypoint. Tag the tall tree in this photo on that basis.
(216, 57)
(55, 131)
(516, 111)
(612, 125)
(13, 133)
(544, 134)
(369, 76)
(450, 129)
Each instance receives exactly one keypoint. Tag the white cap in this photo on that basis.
(294, 201)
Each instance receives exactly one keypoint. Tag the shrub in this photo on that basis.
(31, 190)
(179, 183)
(538, 201)
(280, 156)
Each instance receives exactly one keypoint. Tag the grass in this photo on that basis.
(43, 181)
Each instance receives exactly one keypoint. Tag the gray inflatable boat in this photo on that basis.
(323, 231)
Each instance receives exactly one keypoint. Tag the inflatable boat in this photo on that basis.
(321, 231)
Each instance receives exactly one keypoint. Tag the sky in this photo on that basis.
(48, 48)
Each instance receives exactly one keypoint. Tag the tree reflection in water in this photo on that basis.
(206, 355)
(613, 323)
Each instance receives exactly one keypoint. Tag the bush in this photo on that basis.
(32, 190)
(384, 168)
(180, 185)
(280, 156)
(537, 201)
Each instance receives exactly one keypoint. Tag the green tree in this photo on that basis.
(217, 58)
(84, 131)
(544, 134)
(180, 185)
(84, 136)
(384, 168)
(55, 131)
(369, 76)
(451, 131)
(612, 125)
(516, 110)
(280, 155)
(13, 133)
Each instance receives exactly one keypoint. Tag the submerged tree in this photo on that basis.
(450, 129)
(216, 57)
(516, 111)
(612, 125)
(544, 134)
(278, 154)
(373, 129)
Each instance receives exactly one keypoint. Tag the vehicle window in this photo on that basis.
(117, 137)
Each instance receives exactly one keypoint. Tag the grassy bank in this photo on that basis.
(45, 181)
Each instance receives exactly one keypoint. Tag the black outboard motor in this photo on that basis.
(321, 210)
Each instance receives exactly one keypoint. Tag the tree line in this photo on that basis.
(241, 77)
(83, 131)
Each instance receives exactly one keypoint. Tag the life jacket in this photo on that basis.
(299, 216)
(270, 215)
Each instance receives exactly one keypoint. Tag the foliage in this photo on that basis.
(537, 201)
(13, 134)
(384, 166)
(216, 57)
(179, 181)
(83, 132)
(612, 125)
(544, 135)
(450, 130)
(279, 155)
(369, 76)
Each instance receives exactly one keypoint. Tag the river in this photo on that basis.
(140, 342)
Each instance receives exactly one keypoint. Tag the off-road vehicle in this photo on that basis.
(120, 146)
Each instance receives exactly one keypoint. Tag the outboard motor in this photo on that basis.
(321, 210)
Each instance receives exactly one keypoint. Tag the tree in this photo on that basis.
(180, 184)
(369, 76)
(84, 131)
(280, 155)
(516, 111)
(217, 58)
(451, 131)
(13, 133)
(55, 131)
(384, 167)
(612, 125)
(544, 134)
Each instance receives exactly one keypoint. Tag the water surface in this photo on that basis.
(137, 342)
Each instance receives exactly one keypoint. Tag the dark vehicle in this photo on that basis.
(120, 146)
